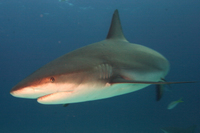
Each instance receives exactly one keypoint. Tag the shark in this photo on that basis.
(104, 69)
(179, 130)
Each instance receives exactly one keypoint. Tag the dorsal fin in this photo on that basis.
(115, 31)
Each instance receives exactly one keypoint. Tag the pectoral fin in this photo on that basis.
(159, 85)
(121, 80)
(159, 92)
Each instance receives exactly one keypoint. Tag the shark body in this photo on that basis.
(100, 70)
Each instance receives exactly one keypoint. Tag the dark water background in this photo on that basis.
(34, 32)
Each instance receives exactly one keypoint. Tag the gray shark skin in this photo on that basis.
(100, 70)
(179, 130)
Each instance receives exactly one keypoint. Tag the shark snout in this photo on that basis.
(26, 92)
(33, 90)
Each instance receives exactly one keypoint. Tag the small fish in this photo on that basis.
(174, 104)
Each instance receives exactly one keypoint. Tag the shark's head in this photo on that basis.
(38, 84)
(60, 81)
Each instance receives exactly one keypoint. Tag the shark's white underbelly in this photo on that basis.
(95, 89)
(88, 93)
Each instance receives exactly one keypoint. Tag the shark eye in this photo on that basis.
(52, 79)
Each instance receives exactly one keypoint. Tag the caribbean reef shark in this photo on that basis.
(100, 70)
(179, 130)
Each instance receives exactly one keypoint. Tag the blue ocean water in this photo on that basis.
(34, 32)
